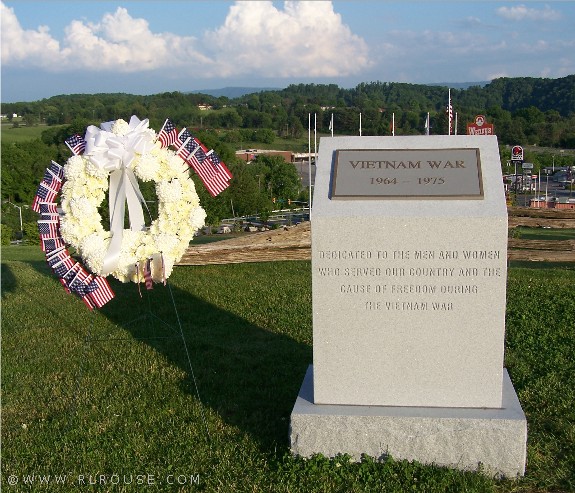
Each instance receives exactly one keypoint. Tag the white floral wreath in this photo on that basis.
(115, 155)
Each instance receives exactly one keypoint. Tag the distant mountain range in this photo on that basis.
(238, 92)
(460, 85)
(234, 92)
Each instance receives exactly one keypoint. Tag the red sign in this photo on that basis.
(480, 127)
(517, 153)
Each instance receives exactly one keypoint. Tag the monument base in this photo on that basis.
(462, 438)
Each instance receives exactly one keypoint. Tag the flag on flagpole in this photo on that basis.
(217, 162)
(57, 170)
(48, 208)
(181, 143)
(53, 181)
(99, 291)
(331, 124)
(79, 286)
(76, 144)
(148, 274)
(209, 167)
(450, 114)
(44, 194)
(49, 229)
(168, 134)
(49, 244)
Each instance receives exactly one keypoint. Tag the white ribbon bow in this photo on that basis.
(114, 153)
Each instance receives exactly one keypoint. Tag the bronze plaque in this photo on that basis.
(406, 174)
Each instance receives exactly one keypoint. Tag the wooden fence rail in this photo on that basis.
(294, 243)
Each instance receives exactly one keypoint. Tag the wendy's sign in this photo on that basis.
(480, 126)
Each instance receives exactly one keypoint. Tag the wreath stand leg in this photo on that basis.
(154, 329)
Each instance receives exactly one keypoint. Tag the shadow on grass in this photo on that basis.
(525, 264)
(247, 375)
(9, 283)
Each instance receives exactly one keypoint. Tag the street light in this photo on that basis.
(19, 207)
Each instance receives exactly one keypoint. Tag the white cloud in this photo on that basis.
(302, 39)
(118, 42)
(521, 12)
(30, 47)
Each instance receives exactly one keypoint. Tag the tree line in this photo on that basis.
(528, 111)
(525, 111)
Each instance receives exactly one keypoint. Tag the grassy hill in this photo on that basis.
(109, 395)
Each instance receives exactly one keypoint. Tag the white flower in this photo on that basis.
(120, 127)
(93, 170)
(75, 168)
(169, 191)
(82, 207)
(93, 247)
(146, 167)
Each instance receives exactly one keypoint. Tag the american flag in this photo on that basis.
(79, 285)
(57, 169)
(184, 144)
(48, 208)
(64, 267)
(49, 229)
(52, 180)
(76, 278)
(99, 291)
(211, 170)
(65, 284)
(219, 164)
(148, 274)
(215, 184)
(168, 135)
(450, 114)
(49, 217)
(56, 256)
(43, 195)
(50, 244)
(184, 135)
(198, 154)
(76, 144)
(185, 149)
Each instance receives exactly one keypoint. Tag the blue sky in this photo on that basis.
(146, 47)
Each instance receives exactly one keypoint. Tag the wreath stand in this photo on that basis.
(152, 328)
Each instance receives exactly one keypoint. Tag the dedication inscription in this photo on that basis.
(407, 173)
(409, 280)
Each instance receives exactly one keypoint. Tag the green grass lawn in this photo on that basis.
(545, 233)
(111, 392)
(21, 133)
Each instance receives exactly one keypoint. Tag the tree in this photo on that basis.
(284, 180)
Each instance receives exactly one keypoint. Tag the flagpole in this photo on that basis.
(427, 124)
(455, 129)
(449, 110)
(314, 153)
(331, 125)
(393, 124)
(360, 124)
(309, 158)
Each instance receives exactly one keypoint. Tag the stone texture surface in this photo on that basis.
(462, 438)
(388, 328)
